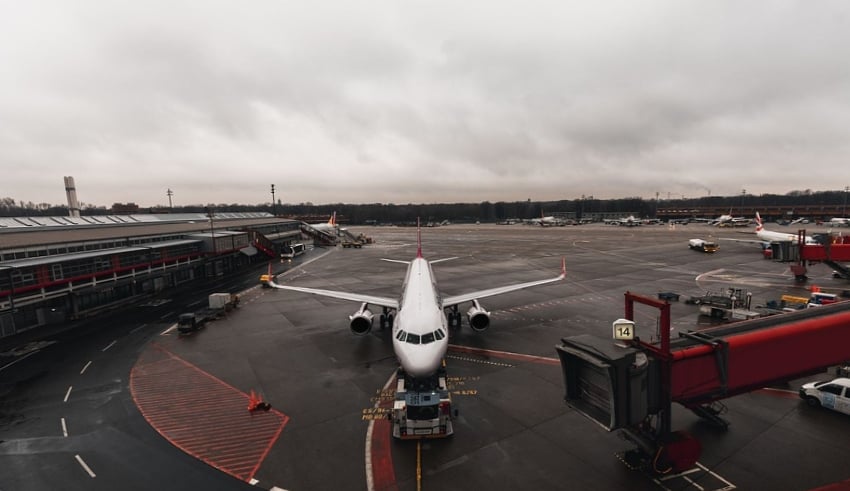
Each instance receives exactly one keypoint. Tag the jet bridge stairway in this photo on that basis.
(346, 235)
(840, 269)
(631, 386)
(262, 243)
(319, 237)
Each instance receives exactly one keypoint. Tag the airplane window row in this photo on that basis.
(411, 338)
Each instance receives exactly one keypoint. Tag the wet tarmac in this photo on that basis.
(513, 430)
(326, 386)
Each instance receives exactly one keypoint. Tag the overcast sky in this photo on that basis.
(421, 101)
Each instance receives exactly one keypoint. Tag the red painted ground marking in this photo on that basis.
(202, 415)
(839, 486)
(787, 394)
(505, 355)
(383, 472)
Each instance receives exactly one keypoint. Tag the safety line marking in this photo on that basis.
(19, 359)
(85, 467)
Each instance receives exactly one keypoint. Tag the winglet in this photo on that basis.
(418, 239)
(563, 268)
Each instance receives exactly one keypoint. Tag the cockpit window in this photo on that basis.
(412, 338)
(439, 334)
(401, 336)
(428, 338)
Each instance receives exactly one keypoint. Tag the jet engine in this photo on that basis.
(479, 319)
(361, 321)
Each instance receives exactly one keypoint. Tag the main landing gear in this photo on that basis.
(454, 317)
(386, 319)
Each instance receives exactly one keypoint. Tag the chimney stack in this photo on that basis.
(71, 193)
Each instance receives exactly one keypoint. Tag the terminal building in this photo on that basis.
(59, 269)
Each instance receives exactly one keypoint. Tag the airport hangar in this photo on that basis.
(55, 269)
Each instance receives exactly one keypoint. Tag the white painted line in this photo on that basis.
(169, 314)
(19, 359)
(253, 482)
(136, 329)
(110, 345)
(68, 394)
(173, 327)
(196, 303)
(84, 368)
(85, 467)
(64, 429)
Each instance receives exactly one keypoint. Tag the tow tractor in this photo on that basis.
(422, 407)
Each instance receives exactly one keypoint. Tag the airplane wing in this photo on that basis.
(355, 297)
(747, 241)
(467, 297)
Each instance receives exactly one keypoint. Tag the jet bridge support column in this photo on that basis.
(628, 387)
(659, 448)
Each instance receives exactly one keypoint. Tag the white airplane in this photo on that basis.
(770, 236)
(330, 226)
(839, 221)
(420, 335)
(728, 221)
(547, 221)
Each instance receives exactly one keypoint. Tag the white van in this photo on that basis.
(834, 394)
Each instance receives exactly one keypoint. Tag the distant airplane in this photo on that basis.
(725, 221)
(629, 221)
(839, 221)
(419, 330)
(330, 226)
(547, 221)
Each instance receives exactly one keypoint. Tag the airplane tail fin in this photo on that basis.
(563, 267)
(759, 225)
(332, 220)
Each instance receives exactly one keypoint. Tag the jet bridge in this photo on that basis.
(631, 385)
(835, 251)
(320, 237)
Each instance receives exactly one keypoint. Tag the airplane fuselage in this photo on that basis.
(420, 336)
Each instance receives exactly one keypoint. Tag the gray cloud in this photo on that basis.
(422, 101)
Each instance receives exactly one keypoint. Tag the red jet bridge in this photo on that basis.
(631, 386)
(834, 252)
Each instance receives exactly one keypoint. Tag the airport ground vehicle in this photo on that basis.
(834, 394)
(293, 250)
(703, 245)
(422, 409)
(219, 304)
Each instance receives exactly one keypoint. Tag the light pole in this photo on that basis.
(169, 193)
(844, 211)
(274, 203)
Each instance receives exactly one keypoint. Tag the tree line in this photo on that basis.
(485, 211)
